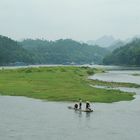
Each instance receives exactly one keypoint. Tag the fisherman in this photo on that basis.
(88, 105)
(76, 106)
(80, 104)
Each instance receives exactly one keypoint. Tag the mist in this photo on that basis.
(76, 19)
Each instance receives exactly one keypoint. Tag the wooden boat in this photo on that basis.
(82, 110)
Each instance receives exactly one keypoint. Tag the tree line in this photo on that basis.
(12, 52)
(63, 51)
(128, 54)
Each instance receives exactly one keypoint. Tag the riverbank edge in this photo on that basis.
(113, 84)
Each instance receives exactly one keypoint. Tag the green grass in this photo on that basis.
(114, 84)
(57, 84)
(136, 74)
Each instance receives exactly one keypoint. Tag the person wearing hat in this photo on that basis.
(76, 106)
(80, 104)
(88, 105)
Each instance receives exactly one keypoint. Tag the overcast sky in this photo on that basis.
(76, 19)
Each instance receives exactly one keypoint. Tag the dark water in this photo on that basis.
(23, 118)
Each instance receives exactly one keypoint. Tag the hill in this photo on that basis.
(12, 53)
(64, 51)
(104, 41)
(128, 54)
(115, 45)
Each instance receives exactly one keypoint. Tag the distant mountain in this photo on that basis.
(12, 53)
(115, 45)
(128, 54)
(120, 43)
(104, 41)
(129, 40)
(64, 51)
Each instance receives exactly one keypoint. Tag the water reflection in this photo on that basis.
(88, 115)
(81, 114)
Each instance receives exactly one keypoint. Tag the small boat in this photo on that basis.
(82, 110)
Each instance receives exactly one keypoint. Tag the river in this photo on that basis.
(23, 118)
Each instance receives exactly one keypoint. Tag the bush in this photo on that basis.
(90, 72)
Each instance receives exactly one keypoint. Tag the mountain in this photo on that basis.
(104, 41)
(64, 51)
(115, 45)
(129, 40)
(11, 52)
(128, 54)
(119, 43)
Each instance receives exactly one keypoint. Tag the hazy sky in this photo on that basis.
(76, 19)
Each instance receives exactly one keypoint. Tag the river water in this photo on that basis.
(119, 76)
(23, 118)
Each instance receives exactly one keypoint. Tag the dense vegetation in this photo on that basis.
(116, 45)
(57, 84)
(64, 51)
(11, 52)
(48, 52)
(128, 54)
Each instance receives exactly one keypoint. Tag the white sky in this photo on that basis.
(76, 19)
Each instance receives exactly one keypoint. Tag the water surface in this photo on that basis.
(29, 119)
(23, 118)
(119, 76)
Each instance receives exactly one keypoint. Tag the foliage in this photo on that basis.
(64, 51)
(128, 54)
(48, 52)
(12, 52)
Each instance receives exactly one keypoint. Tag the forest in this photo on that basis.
(63, 51)
(128, 54)
(11, 52)
(66, 52)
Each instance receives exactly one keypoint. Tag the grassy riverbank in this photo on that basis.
(136, 74)
(114, 84)
(56, 84)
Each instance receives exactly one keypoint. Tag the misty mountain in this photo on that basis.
(129, 40)
(128, 54)
(115, 45)
(119, 43)
(64, 51)
(104, 41)
(11, 52)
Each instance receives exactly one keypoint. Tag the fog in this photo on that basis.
(76, 19)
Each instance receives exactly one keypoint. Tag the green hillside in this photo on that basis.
(49, 52)
(12, 53)
(64, 51)
(128, 54)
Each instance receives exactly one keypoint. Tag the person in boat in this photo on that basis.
(76, 106)
(80, 104)
(88, 105)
